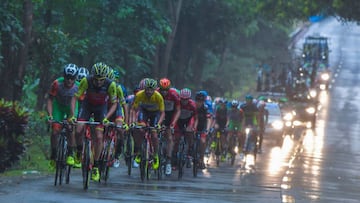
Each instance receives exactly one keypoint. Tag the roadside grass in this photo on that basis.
(33, 161)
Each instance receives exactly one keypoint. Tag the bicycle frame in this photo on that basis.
(62, 152)
(108, 153)
(87, 159)
(250, 145)
(196, 153)
(146, 152)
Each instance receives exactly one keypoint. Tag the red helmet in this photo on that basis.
(165, 84)
(185, 93)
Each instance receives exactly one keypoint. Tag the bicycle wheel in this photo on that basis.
(129, 152)
(180, 158)
(218, 152)
(162, 161)
(85, 164)
(195, 157)
(60, 159)
(232, 149)
(67, 174)
(104, 160)
(144, 161)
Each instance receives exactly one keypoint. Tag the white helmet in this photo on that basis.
(70, 70)
(234, 103)
(82, 73)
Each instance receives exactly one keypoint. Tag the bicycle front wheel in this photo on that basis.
(180, 159)
(196, 158)
(85, 164)
(129, 152)
(60, 159)
(144, 161)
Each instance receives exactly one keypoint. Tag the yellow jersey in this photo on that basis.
(153, 103)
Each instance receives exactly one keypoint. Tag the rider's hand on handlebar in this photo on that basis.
(49, 118)
(158, 126)
(125, 126)
(105, 121)
(72, 119)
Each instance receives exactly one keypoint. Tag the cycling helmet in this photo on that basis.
(150, 83)
(164, 84)
(100, 70)
(249, 97)
(142, 83)
(116, 74)
(261, 104)
(70, 70)
(234, 103)
(82, 73)
(204, 92)
(200, 96)
(111, 74)
(185, 93)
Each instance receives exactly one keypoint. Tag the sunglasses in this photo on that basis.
(67, 77)
(100, 79)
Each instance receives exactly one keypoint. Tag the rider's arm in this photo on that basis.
(52, 93)
(176, 115)
(81, 90)
(161, 109)
(113, 99)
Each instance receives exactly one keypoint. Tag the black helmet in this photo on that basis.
(200, 96)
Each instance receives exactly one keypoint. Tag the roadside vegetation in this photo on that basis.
(200, 44)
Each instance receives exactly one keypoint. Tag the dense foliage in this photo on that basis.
(13, 121)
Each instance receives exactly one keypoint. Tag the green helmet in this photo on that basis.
(151, 83)
(100, 70)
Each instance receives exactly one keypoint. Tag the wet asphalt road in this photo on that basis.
(326, 167)
(311, 166)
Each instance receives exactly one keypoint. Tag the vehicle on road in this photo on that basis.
(274, 128)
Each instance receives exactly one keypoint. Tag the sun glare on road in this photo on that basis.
(279, 156)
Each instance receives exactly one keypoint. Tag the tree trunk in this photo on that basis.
(23, 52)
(174, 9)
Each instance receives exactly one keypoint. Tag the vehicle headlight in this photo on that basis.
(325, 76)
(313, 93)
(278, 125)
(247, 130)
(288, 116)
(310, 110)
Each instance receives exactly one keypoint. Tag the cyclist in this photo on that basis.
(119, 116)
(221, 112)
(149, 106)
(82, 73)
(58, 106)
(186, 121)
(263, 118)
(251, 113)
(98, 91)
(202, 123)
(234, 123)
(172, 113)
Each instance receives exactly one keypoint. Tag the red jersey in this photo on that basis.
(188, 111)
(171, 100)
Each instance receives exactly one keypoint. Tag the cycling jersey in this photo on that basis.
(235, 117)
(61, 98)
(61, 93)
(221, 116)
(203, 114)
(172, 102)
(97, 95)
(153, 103)
(250, 113)
(96, 98)
(187, 114)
